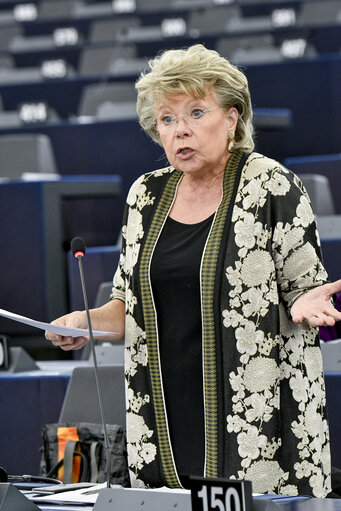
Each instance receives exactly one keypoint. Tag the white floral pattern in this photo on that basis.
(253, 281)
(267, 476)
(141, 450)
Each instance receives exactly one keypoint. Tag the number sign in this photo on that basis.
(220, 494)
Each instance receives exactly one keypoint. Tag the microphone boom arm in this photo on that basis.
(98, 382)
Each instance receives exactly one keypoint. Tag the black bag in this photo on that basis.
(91, 449)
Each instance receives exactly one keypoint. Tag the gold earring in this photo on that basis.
(230, 134)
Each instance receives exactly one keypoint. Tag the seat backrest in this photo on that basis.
(93, 10)
(6, 63)
(328, 165)
(209, 21)
(56, 9)
(150, 5)
(96, 61)
(94, 96)
(227, 45)
(192, 4)
(117, 111)
(111, 29)
(123, 67)
(26, 153)
(103, 293)
(81, 403)
(328, 11)
(263, 55)
(7, 34)
(318, 189)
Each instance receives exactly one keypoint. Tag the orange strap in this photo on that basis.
(65, 434)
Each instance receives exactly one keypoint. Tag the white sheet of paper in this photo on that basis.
(56, 329)
(75, 497)
(89, 495)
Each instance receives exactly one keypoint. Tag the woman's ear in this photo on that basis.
(232, 118)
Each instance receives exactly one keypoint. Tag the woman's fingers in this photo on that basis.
(314, 308)
(68, 343)
(334, 287)
(75, 344)
(320, 320)
(76, 319)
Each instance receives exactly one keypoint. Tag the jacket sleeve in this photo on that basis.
(295, 242)
(119, 281)
(132, 233)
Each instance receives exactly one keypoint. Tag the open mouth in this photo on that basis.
(184, 150)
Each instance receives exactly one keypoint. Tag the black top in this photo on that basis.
(175, 277)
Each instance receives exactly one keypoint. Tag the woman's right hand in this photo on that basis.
(77, 319)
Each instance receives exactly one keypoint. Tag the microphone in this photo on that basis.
(78, 251)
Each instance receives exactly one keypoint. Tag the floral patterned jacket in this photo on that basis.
(264, 393)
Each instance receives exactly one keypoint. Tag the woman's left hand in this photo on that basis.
(314, 308)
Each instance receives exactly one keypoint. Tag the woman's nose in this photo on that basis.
(182, 127)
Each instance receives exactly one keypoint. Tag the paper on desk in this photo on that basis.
(89, 495)
(66, 497)
(56, 329)
(82, 496)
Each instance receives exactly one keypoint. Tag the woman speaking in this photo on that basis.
(218, 293)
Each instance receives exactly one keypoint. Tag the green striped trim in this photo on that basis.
(208, 271)
(151, 329)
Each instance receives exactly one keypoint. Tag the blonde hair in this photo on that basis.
(195, 71)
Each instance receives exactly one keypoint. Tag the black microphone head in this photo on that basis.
(78, 247)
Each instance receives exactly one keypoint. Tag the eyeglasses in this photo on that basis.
(194, 116)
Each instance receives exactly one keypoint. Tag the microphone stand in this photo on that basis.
(98, 382)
